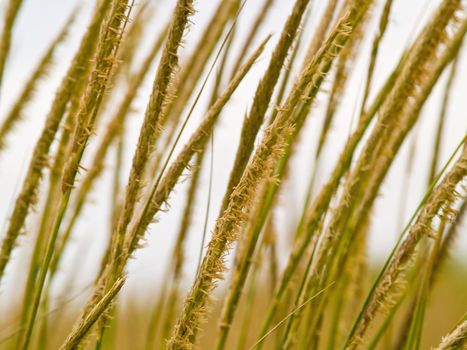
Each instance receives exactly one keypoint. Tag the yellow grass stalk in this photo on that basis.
(53, 196)
(449, 47)
(11, 13)
(124, 58)
(15, 113)
(174, 271)
(191, 71)
(266, 196)
(419, 64)
(298, 250)
(422, 47)
(439, 204)
(53, 192)
(451, 51)
(352, 17)
(74, 339)
(383, 24)
(287, 71)
(270, 244)
(246, 247)
(178, 250)
(256, 24)
(121, 74)
(201, 48)
(89, 106)
(112, 130)
(441, 256)
(263, 161)
(149, 131)
(456, 339)
(147, 138)
(168, 307)
(195, 145)
(163, 186)
(224, 235)
(410, 331)
(441, 120)
(348, 297)
(251, 297)
(328, 259)
(261, 101)
(321, 30)
(27, 195)
(448, 241)
(131, 40)
(321, 203)
(345, 62)
(411, 336)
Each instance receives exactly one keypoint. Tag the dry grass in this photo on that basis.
(317, 291)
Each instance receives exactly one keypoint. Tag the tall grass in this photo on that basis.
(274, 272)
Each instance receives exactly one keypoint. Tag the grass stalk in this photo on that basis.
(164, 185)
(264, 91)
(11, 13)
(456, 339)
(106, 52)
(440, 200)
(28, 193)
(15, 113)
(326, 252)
